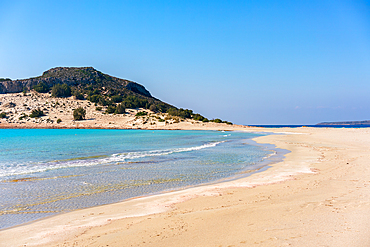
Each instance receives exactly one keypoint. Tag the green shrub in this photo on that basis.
(120, 109)
(110, 109)
(78, 95)
(161, 120)
(183, 113)
(132, 102)
(3, 115)
(98, 108)
(205, 120)
(198, 117)
(217, 120)
(59, 120)
(153, 108)
(117, 98)
(61, 91)
(102, 101)
(41, 88)
(93, 98)
(23, 116)
(141, 113)
(79, 113)
(37, 113)
(25, 91)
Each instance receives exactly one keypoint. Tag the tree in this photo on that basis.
(79, 113)
(117, 98)
(153, 108)
(78, 95)
(41, 88)
(110, 109)
(183, 113)
(217, 120)
(120, 109)
(61, 91)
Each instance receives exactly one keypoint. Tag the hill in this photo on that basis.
(90, 83)
(63, 96)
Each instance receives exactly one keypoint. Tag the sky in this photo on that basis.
(248, 62)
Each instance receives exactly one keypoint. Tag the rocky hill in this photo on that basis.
(91, 84)
(99, 94)
(71, 76)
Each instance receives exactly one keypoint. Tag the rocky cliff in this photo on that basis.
(72, 76)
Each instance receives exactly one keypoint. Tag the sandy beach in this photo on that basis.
(316, 196)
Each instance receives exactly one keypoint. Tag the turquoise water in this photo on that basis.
(45, 172)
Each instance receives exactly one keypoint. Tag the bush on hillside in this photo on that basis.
(61, 91)
(183, 113)
(120, 109)
(198, 117)
(78, 95)
(117, 98)
(41, 88)
(141, 113)
(37, 113)
(110, 109)
(79, 114)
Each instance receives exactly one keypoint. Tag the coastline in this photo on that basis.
(291, 203)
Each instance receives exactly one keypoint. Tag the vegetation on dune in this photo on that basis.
(61, 91)
(79, 114)
(117, 98)
(78, 95)
(183, 113)
(37, 113)
(41, 88)
(110, 109)
(141, 113)
(23, 116)
(120, 109)
(3, 115)
(217, 120)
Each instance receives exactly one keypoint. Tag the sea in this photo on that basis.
(44, 172)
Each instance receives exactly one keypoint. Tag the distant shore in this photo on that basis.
(317, 196)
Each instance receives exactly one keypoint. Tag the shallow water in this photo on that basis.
(45, 172)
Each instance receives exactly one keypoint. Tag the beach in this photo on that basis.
(316, 196)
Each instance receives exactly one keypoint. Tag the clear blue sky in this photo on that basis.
(249, 62)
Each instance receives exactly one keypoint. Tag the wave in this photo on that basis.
(12, 169)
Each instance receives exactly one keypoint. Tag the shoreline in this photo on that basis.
(296, 192)
(276, 156)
